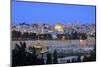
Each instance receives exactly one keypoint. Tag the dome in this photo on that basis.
(58, 27)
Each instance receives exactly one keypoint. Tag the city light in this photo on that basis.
(59, 27)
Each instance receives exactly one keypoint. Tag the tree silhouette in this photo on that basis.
(74, 35)
(16, 34)
(19, 55)
(92, 56)
(25, 35)
(49, 58)
(32, 36)
(55, 61)
(83, 35)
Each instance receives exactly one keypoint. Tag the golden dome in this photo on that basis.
(58, 27)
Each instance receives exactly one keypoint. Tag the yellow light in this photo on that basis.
(83, 42)
(63, 37)
(59, 27)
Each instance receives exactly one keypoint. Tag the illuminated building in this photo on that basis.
(59, 27)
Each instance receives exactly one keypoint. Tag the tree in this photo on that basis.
(31, 57)
(49, 58)
(19, 55)
(55, 58)
(48, 36)
(74, 35)
(92, 56)
(16, 34)
(25, 35)
(83, 35)
(32, 35)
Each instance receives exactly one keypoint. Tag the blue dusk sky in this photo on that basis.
(49, 13)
